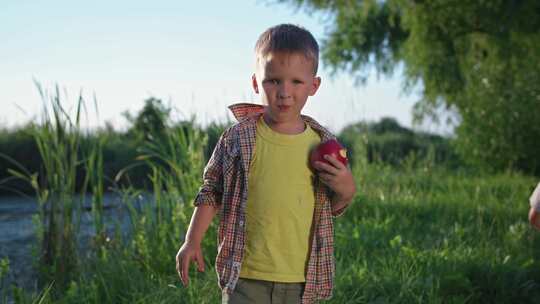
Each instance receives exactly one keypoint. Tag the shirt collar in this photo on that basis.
(245, 111)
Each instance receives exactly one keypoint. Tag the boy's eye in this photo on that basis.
(296, 81)
(272, 81)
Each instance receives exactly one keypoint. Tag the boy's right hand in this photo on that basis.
(187, 253)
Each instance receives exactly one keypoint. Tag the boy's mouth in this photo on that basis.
(284, 108)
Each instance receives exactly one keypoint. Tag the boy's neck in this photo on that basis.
(289, 128)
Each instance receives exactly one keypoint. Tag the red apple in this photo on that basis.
(330, 147)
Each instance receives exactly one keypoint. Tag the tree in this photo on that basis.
(477, 58)
(152, 120)
(391, 143)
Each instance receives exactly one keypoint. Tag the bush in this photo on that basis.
(388, 142)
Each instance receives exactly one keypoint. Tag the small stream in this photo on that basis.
(18, 237)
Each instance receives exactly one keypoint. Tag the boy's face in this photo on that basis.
(285, 81)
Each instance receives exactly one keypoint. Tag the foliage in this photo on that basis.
(119, 150)
(151, 122)
(388, 142)
(415, 233)
(385, 141)
(477, 59)
(19, 145)
(57, 138)
(425, 235)
(214, 131)
(4, 270)
(175, 160)
(95, 179)
(420, 234)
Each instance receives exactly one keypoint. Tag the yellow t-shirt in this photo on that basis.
(280, 206)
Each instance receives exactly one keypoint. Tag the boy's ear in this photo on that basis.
(316, 85)
(254, 83)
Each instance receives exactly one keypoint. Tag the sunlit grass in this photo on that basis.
(418, 233)
(418, 236)
(453, 238)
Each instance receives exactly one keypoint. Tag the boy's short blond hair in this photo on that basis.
(288, 38)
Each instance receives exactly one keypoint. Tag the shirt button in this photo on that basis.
(241, 223)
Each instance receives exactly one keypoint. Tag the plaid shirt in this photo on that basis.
(225, 186)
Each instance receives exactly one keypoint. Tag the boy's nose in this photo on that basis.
(284, 91)
(283, 95)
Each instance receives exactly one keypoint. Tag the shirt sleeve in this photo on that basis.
(340, 211)
(535, 198)
(210, 192)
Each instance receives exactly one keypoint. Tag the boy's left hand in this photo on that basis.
(338, 177)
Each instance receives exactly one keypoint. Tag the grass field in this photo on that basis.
(413, 235)
(415, 232)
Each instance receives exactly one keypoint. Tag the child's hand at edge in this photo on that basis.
(338, 177)
(187, 253)
(534, 218)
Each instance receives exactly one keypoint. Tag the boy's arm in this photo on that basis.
(191, 249)
(212, 187)
(340, 179)
(339, 204)
(207, 204)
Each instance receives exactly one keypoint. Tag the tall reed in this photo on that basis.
(4, 270)
(176, 161)
(95, 178)
(58, 137)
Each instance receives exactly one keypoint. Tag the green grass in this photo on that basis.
(411, 236)
(438, 237)
(416, 234)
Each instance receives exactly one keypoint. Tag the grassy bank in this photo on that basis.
(417, 235)
(417, 232)
(430, 236)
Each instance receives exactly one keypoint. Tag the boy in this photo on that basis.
(275, 237)
(534, 218)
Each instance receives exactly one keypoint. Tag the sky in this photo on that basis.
(197, 56)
